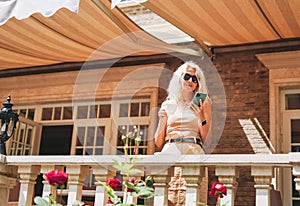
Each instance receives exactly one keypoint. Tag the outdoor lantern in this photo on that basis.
(9, 120)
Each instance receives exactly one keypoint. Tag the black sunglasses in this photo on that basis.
(187, 77)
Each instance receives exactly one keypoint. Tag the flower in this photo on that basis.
(132, 181)
(113, 183)
(56, 177)
(218, 189)
(109, 201)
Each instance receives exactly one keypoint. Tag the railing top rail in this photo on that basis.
(282, 160)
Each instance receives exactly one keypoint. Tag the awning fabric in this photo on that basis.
(25, 8)
(95, 32)
(68, 36)
(231, 22)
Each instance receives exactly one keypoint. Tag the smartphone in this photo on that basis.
(198, 96)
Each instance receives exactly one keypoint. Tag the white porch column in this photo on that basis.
(161, 176)
(227, 175)
(101, 175)
(77, 175)
(263, 177)
(28, 175)
(6, 181)
(193, 176)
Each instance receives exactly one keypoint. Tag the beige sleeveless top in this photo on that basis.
(181, 119)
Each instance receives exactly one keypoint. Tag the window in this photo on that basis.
(291, 133)
(57, 113)
(27, 113)
(90, 140)
(22, 141)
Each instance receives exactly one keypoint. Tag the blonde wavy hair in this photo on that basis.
(176, 85)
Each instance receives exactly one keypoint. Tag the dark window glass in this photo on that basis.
(295, 148)
(47, 114)
(105, 111)
(123, 110)
(134, 109)
(31, 114)
(23, 112)
(295, 130)
(89, 151)
(29, 135)
(79, 151)
(82, 112)
(68, 113)
(145, 109)
(98, 151)
(90, 136)
(100, 136)
(143, 132)
(292, 101)
(57, 113)
(93, 111)
(121, 130)
(80, 136)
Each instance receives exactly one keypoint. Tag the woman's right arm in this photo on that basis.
(160, 133)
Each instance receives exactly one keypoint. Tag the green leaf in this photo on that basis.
(78, 203)
(134, 171)
(41, 201)
(124, 168)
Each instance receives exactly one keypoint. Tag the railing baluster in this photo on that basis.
(101, 175)
(28, 175)
(161, 176)
(263, 178)
(77, 175)
(193, 175)
(227, 175)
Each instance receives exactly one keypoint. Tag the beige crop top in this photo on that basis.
(181, 119)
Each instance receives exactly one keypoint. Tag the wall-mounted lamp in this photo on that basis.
(9, 120)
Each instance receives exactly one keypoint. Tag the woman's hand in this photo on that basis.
(162, 113)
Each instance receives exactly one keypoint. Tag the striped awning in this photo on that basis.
(99, 32)
(232, 22)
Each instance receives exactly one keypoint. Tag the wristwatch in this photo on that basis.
(202, 123)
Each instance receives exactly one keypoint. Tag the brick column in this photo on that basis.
(77, 175)
(28, 175)
(227, 175)
(161, 176)
(263, 178)
(101, 175)
(193, 175)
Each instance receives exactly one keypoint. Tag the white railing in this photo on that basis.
(160, 167)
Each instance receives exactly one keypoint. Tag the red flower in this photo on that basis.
(56, 177)
(131, 180)
(113, 182)
(218, 189)
(109, 201)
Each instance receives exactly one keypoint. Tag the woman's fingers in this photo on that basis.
(162, 113)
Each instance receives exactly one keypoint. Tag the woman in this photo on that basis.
(183, 125)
